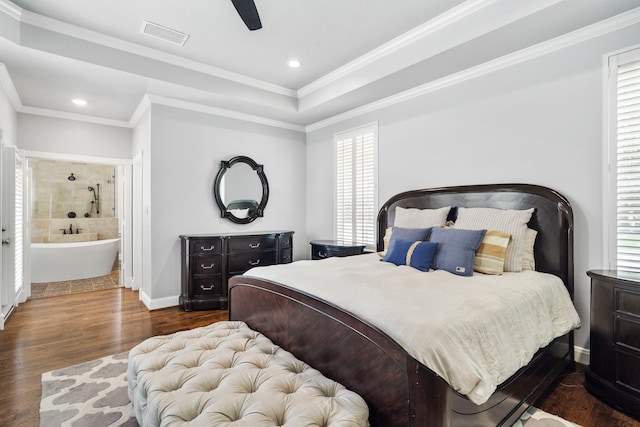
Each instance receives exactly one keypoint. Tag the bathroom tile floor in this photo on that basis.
(110, 281)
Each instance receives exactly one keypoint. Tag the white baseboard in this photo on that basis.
(155, 304)
(582, 355)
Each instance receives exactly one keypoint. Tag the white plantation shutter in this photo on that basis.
(18, 225)
(625, 124)
(356, 185)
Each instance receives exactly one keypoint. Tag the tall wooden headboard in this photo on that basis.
(552, 217)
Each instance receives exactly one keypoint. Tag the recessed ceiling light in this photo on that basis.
(79, 101)
(294, 63)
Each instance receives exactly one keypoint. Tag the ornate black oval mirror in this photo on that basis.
(241, 189)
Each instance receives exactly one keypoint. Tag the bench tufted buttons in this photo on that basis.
(226, 374)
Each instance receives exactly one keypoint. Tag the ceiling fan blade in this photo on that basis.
(248, 12)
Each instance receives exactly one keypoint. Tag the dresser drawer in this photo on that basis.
(627, 301)
(286, 256)
(207, 287)
(240, 263)
(206, 264)
(205, 246)
(627, 372)
(251, 243)
(285, 240)
(627, 332)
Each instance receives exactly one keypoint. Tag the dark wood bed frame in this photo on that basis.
(399, 390)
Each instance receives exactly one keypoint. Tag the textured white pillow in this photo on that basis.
(528, 258)
(509, 221)
(420, 218)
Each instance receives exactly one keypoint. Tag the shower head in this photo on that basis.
(71, 178)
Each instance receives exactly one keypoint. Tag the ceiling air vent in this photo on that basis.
(164, 33)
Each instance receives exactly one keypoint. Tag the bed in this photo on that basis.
(399, 389)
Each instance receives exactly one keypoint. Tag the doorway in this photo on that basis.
(77, 205)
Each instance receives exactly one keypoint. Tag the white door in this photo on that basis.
(13, 232)
(4, 298)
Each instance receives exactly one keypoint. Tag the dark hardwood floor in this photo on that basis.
(51, 333)
(571, 401)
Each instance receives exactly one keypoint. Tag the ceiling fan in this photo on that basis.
(248, 12)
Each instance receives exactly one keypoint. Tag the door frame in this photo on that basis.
(124, 202)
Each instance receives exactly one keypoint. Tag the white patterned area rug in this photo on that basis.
(95, 394)
(89, 394)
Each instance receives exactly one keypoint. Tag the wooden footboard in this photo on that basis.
(398, 390)
(340, 346)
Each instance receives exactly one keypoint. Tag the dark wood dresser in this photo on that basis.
(613, 374)
(209, 260)
(328, 248)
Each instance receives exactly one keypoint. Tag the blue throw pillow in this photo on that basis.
(410, 234)
(456, 249)
(412, 253)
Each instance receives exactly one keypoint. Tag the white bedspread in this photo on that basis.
(475, 332)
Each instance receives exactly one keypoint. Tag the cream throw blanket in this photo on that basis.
(475, 331)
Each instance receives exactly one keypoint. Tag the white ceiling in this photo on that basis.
(353, 52)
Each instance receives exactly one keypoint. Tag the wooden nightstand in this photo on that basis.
(321, 249)
(613, 375)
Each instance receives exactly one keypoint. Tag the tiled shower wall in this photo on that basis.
(58, 202)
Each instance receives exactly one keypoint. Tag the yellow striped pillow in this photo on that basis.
(491, 253)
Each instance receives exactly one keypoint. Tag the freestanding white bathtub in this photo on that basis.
(55, 262)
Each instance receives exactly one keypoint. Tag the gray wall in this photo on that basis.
(186, 149)
(540, 122)
(8, 119)
(62, 136)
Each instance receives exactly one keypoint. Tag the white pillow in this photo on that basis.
(420, 218)
(528, 258)
(509, 221)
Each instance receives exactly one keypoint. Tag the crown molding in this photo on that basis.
(573, 38)
(9, 88)
(16, 102)
(10, 9)
(451, 17)
(73, 116)
(144, 104)
(200, 108)
(84, 34)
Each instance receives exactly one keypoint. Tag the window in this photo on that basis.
(356, 185)
(624, 143)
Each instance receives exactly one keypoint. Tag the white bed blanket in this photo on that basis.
(475, 332)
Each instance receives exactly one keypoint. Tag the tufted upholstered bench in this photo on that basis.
(226, 374)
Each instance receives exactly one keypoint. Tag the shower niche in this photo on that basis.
(73, 201)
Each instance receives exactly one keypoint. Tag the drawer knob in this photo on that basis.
(206, 288)
(207, 249)
(254, 245)
(254, 262)
(207, 267)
